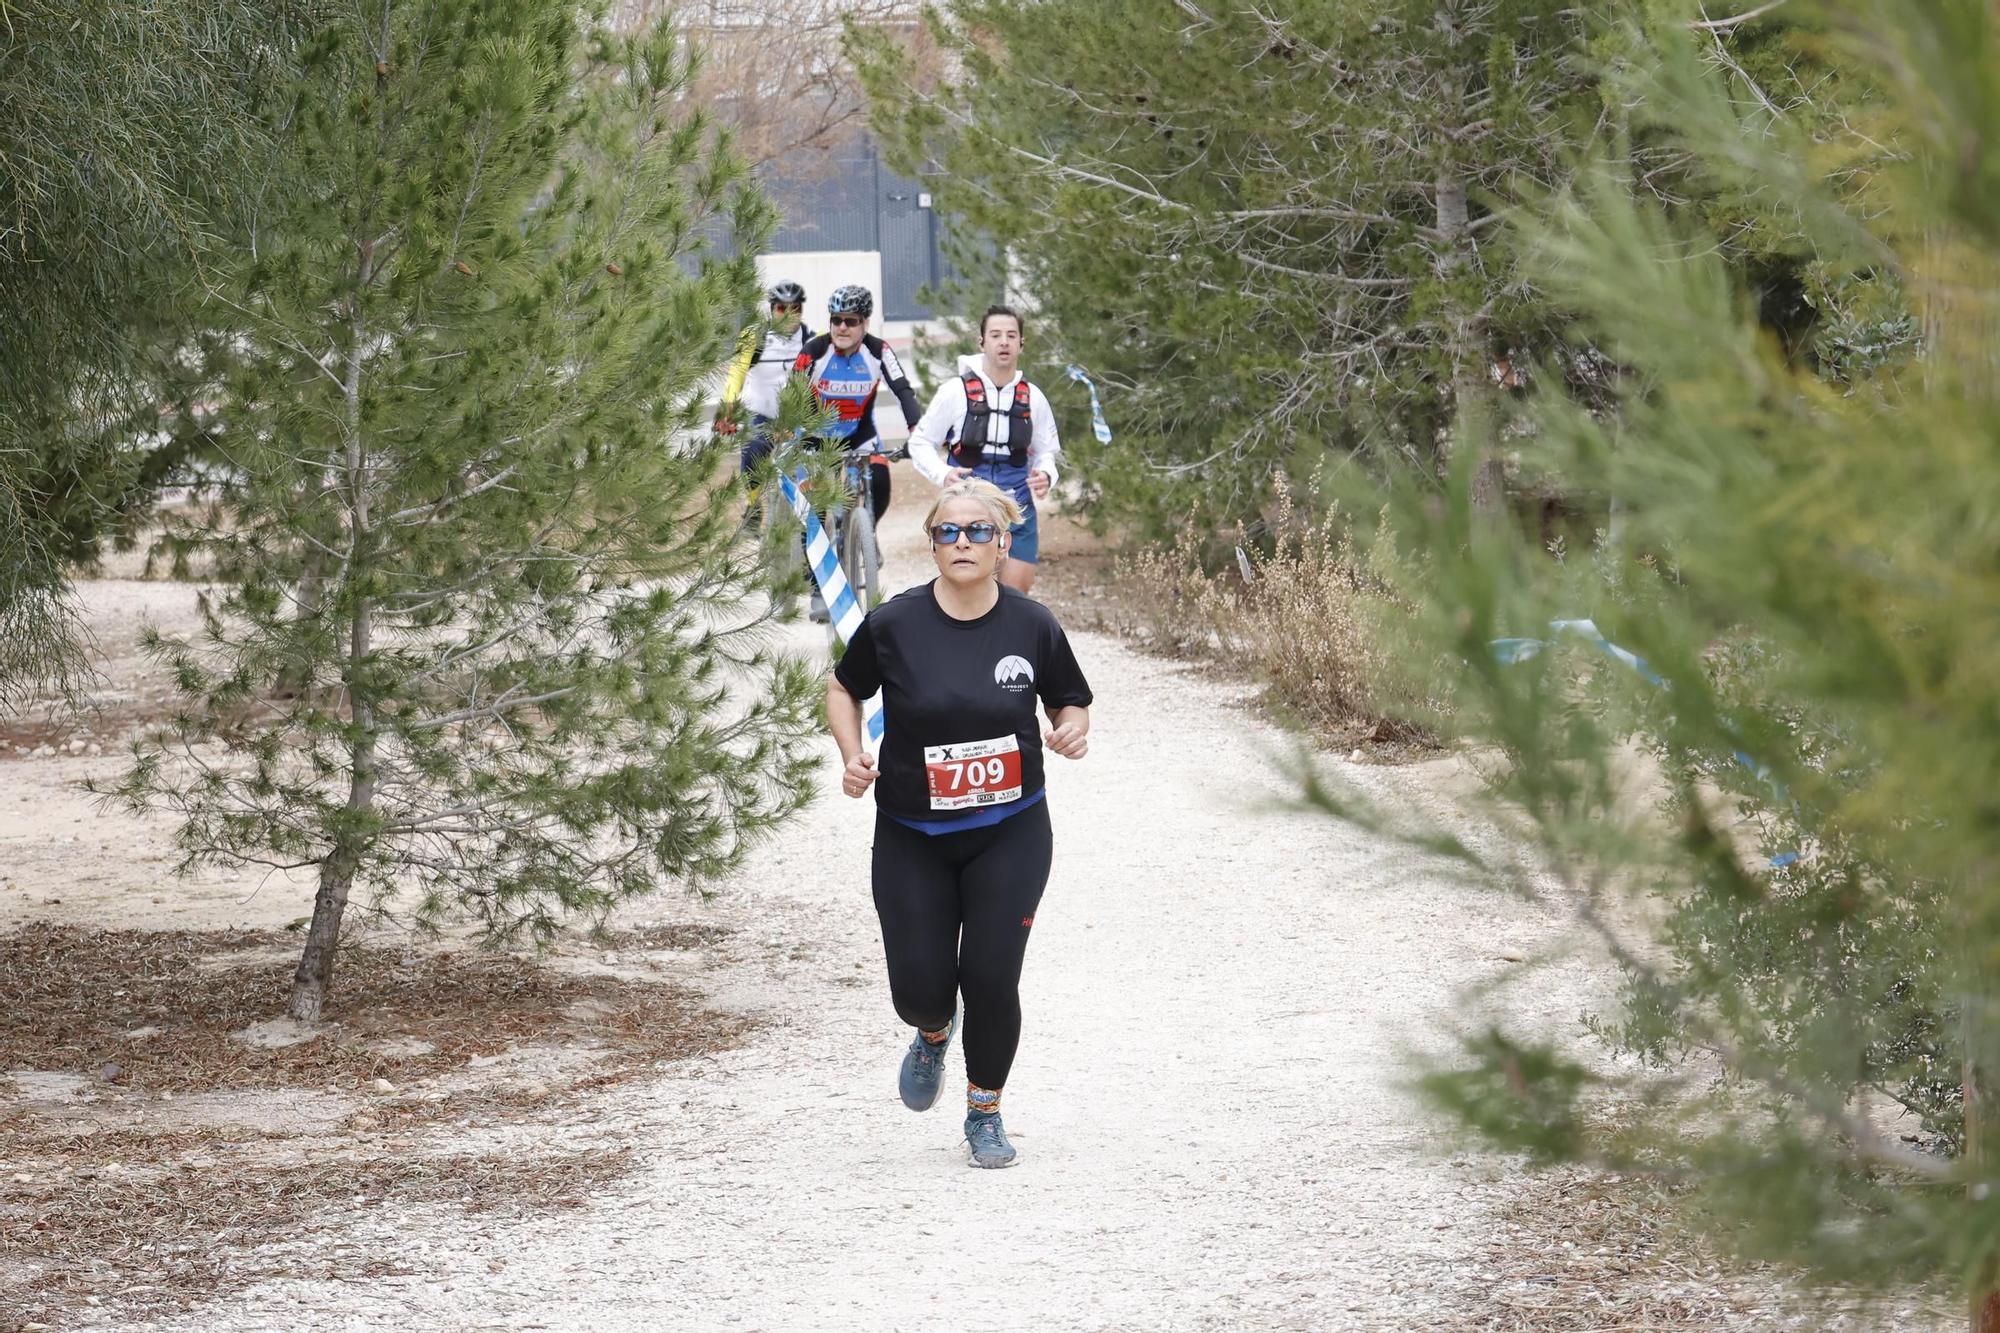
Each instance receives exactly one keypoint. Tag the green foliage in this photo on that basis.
(127, 148)
(124, 124)
(481, 642)
(1270, 232)
(1805, 554)
(1522, 1098)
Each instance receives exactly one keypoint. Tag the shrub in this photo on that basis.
(1310, 618)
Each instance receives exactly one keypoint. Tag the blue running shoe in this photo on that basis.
(988, 1140)
(923, 1070)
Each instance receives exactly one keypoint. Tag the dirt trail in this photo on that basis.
(1219, 1000)
(1206, 1105)
(1222, 1001)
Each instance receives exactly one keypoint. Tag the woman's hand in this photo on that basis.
(1068, 740)
(1069, 731)
(843, 715)
(859, 775)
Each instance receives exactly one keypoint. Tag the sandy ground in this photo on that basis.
(1222, 1001)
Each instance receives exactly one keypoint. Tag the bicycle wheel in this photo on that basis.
(858, 558)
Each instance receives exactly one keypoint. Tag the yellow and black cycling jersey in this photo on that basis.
(764, 357)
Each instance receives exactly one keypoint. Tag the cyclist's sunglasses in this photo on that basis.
(846, 321)
(780, 308)
(947, 534)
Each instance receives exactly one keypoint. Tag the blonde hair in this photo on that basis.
(997, 503)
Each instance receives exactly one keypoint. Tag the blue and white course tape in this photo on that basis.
(1098, 426)
(841, 607)
(1510, 651)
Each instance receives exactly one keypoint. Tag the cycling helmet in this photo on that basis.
(851, 300)
(787, 293)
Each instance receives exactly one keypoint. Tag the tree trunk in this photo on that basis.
(1472, 393)
(336, 875)
(315, 972)
(314, 977)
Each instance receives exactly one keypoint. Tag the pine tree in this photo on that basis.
(1272, 231)
(1806, 568)
(127, 147)
(480, 643)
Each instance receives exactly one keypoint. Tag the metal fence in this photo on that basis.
(851, 200)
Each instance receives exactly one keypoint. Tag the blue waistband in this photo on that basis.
(992, 814)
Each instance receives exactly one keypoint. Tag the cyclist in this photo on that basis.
(765, 354)
(846, 366)
(962, 840)
(991, 423)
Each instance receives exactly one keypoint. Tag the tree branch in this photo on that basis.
(1725, 25)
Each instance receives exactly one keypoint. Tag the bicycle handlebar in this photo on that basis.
(874, 447)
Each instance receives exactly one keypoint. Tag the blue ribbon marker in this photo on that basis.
(1097, 423)
(841, 607)
(1509, 651)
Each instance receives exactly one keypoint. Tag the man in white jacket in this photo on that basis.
(991, 423)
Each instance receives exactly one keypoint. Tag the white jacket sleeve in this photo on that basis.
(1044, 444)
(947, 409)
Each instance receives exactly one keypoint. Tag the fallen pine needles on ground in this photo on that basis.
(1578, 1252)
(158, 1124)
(169, 1011)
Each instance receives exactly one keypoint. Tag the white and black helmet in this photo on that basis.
(853, 299)
(787, 293)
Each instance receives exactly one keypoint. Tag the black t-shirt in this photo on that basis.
(954, 689)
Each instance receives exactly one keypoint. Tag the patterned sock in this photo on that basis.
(938, 1038)
(981, 1101)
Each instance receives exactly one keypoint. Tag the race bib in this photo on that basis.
(974, 774)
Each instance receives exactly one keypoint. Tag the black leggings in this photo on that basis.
(956, 910)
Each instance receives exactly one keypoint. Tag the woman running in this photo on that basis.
(962, 840)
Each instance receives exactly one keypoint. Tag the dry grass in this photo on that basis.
(1312, 621)
(1315, 629)
(121, 1196)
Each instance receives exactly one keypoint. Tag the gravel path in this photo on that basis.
(1220, 1000)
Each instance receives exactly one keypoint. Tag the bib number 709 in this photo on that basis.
(973, 774)
(981, 773)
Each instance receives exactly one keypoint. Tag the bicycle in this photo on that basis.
(849, 525)
(852, 527)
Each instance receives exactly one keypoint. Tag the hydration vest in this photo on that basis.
(973, 434)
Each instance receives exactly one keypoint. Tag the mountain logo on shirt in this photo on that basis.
(1013, 673)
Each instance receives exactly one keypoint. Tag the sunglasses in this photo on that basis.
(947, 534)
(846, 322)
(778, 308)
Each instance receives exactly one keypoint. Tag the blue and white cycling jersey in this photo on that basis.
(847, 383)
